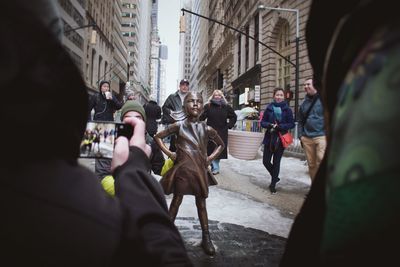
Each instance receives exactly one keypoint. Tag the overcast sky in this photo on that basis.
(168, 27)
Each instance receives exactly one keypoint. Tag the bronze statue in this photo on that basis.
(190, 174)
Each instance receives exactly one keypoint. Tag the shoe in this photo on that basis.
(215, 172)
(272, 188)
(206, 244)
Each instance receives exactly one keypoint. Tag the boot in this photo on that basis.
(206, 244)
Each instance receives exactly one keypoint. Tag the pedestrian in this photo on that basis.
(172, 106)
(277, 118)
(221, 117)
(54, 211)
(153, 113)
(311, 126)
(132, 108)
(105, 104)
(190, 174)
(351, 214)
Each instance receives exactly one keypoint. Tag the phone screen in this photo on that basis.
(99, 138)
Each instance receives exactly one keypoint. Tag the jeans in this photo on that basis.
(215, 165)
(274, 167)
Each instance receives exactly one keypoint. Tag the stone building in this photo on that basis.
(248, 70)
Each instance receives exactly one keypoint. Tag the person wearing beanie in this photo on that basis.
(104, 104)
(133, 108)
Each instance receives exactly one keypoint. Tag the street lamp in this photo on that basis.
(92, 36)
(296, 65)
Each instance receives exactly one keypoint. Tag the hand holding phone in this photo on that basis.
(99, 137)
(121, 152)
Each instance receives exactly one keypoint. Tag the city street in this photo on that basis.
(248, 224)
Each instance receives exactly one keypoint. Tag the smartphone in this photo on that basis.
(98, 139)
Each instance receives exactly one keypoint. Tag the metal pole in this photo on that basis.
(81, 27)
(236, 30)
(296, 92)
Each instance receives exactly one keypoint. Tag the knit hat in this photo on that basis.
(132, 105)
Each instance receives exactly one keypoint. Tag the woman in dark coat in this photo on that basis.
(277, 118)
(221, 117)
(153, 113)
(190, 175)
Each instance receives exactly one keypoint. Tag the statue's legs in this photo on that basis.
(206, 243)
(174, 207)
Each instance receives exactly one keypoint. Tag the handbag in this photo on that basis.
(286, 139)
(168, 164)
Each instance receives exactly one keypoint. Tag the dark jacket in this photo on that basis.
(350, 216)
(220, 118)
(104, 109)
(286, 123)
(54, 211)
(153, 113)
(173, 103)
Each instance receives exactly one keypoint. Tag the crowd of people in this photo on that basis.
(55, 212)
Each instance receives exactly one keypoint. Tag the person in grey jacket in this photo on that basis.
(311, 127)
(172, 105)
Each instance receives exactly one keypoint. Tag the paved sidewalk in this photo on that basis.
(235, 245)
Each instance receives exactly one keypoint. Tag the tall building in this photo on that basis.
(155, 54)
(136, 27)
(162, 74)
(120, 53)
(248, 69)
(185, 36)
(199, 46)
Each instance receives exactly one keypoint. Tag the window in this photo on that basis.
(239, 52)
(283, 66)
(256, 36)
(246, 63)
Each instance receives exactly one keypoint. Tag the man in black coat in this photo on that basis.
(54, 211)
(153, 113)
(172, 105)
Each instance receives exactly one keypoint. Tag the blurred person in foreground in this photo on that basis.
(54, 211)
(351, 215)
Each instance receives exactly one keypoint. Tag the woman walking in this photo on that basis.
(277, 118)
(221, 117)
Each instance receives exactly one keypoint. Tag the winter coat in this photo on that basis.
(104, 109)
(54, 211)
(220, 118)
(173, 103)
(286, 123)
(153, 113)
(313, 126)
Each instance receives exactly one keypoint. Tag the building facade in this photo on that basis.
(259, 54)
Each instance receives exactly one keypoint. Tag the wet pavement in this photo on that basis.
(235, 245)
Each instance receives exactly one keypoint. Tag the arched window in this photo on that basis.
(283, 66)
